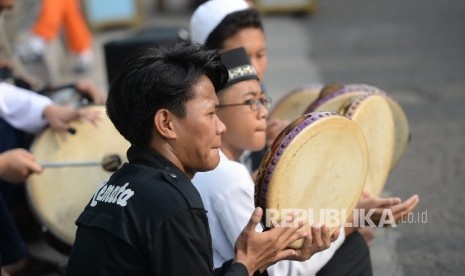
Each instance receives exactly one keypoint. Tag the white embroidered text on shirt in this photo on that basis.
(112, 194)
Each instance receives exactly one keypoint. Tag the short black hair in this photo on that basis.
(159, 77)
(231, 25)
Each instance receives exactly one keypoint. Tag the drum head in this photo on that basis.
(318, 164)
(58, 195)
(294, 103)
(373, 115)
(333, 102)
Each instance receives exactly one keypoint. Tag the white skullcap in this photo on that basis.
(208, 15)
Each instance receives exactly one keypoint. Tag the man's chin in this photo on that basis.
(207, 169)
(213, 161)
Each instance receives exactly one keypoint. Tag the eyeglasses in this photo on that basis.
(255, 104)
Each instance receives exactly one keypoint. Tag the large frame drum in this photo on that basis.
(59, 194)
(318, 163)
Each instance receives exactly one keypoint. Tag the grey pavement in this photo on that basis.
(414, 50)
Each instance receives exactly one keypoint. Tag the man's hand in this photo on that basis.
(16, 165)
(59, 116)
(257, 250)
(398, 209)
(319, 240)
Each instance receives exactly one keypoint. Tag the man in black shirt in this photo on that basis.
(148, 218)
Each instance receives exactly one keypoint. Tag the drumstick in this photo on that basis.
(109, 163)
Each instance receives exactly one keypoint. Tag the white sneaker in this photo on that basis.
(31, 50)
(83, 61)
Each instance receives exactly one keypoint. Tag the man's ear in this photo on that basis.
(163, 123)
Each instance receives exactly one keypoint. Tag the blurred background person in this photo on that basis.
(55, 15)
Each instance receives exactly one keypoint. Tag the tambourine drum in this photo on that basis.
(373, 115)
(332, 102)
(295, 102)
(318, 163)
(59, 194)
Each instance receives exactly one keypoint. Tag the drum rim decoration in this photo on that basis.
(345, 89)
(402, 129)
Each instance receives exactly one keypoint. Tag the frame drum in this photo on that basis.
(317, 164)
(58, 195)
(333, 102)
(295, 102)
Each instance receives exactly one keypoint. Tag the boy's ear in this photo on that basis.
(163, 123)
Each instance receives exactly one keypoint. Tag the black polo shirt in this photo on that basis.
(147, 219)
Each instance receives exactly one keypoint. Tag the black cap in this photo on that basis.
(238, 64)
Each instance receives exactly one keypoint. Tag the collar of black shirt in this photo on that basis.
(172, 174)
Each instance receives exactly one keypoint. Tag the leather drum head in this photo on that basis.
(58, 195)
(334, 101)
(373, 115)
(294, 103)
(318, 164)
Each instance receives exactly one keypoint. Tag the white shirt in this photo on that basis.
(21, 108)
(228, 195)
